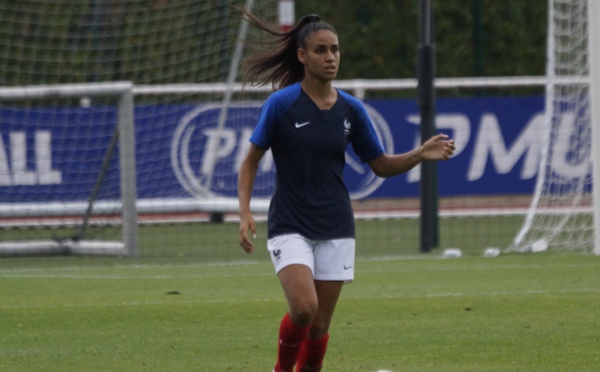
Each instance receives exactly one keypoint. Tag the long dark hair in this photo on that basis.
(280, 67)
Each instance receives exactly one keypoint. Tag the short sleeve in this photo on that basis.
(265, 127)
(272, 113)
(364, 139)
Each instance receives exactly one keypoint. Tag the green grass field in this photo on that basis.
(510, 313)
(218, 242)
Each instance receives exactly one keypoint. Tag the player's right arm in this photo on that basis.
(246, 177)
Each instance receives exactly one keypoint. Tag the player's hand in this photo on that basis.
(439, 147)
(247, 224)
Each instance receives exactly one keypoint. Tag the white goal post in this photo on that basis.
(594, 73)
(564, 210)
(128, 246)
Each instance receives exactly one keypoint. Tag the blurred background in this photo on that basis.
(61, 177)
(156, 41)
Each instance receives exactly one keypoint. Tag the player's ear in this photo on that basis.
(301, 55)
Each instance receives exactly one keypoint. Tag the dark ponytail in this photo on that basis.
(280, 67)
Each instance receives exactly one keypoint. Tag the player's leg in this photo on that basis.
(298, 286)
(313, 349)
(300, 292)
(293, 258)
(334, 266)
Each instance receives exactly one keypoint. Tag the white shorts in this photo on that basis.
(327, 259)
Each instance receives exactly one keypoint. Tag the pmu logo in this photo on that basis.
(209, 146)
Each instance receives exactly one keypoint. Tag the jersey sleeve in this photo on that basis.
(365, 142)
(272, 113)
(265, 127)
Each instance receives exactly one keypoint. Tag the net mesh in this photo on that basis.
(561, 215)
(144, 41)
(60, 148)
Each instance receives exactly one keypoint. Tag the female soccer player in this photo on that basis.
(308, 124)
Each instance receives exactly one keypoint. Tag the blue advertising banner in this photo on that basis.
(498, 144)
(182, 151)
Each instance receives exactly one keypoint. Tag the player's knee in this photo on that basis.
(304, 313)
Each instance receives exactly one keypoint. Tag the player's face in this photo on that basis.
(321, 55)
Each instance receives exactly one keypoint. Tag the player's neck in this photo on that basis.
(321, 92)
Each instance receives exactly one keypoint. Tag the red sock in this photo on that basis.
(312, 354)
(290, 340)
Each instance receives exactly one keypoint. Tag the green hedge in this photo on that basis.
(379, 38)
(45, 42)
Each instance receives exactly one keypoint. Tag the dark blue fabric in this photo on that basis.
(309, 146)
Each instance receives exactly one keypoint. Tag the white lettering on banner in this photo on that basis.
(490, 143)
(220, 148)
(5, 176)
(15, 172)
(43, 159)
(220, 144)
(217, 147)
(18, 152)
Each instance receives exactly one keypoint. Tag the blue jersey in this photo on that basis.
(308, 146)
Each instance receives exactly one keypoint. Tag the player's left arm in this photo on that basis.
(246, 177)
(439, 147)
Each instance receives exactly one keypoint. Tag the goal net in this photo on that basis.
(562, 211)
(62, 154)
(87, 204)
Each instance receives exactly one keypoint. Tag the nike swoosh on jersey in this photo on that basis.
(300, 125)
